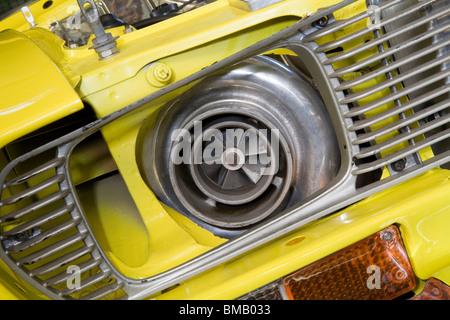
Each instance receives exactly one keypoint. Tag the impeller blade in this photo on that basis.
(234, 179)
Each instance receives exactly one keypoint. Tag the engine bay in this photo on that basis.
(137, 14)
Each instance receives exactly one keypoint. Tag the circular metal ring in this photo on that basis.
(214, 184)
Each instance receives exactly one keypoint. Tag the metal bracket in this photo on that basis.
(104, 43)
(28, 16)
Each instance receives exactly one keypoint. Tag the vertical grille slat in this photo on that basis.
(59, 195)
(383, 39)
(61, 261)
(103, 291)
(37, 221)
(64, 276)
(361, 110)
(389, 52)
(33, 190)
(51, 249)
(90, 281)
(43, 236)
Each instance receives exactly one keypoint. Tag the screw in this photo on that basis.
(321, 23)
(159, 74)
(400, 275)
(398, 165)
(387, 236)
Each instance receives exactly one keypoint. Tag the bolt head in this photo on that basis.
(162, 73)
(159, 74)
(108, 53)
(398, 165)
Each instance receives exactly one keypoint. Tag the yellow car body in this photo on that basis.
(43, 80)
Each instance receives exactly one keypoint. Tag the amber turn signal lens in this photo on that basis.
(434, 290)
(374, 268)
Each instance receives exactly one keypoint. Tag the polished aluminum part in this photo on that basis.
(103, 43)
(16, 9)
(260, 114)
(28, 16)
(350, 122)
(425, 96)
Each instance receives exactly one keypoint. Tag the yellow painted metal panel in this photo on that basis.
(141, 47)
(186, 44)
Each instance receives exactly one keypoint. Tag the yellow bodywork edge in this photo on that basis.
(34, 92)
(417, 206)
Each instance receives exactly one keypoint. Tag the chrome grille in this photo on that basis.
(394, 95)
(44, 233)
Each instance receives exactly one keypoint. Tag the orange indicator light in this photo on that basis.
(434, 290)
(374, 268)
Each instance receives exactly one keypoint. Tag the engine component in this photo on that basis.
(103, 43)
(243, 146)
(353, 73)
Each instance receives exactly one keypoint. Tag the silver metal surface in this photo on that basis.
(64, 239)
(345, 115)
(261, 96)
(103, 43)
(28, 16)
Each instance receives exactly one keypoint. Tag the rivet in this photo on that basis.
(387, 236)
